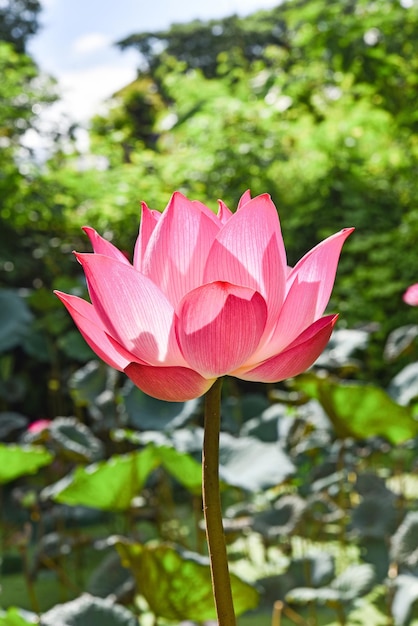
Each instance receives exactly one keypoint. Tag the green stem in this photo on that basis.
(221, 583)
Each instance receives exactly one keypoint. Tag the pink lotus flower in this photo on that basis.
(206, 295)
(411, 295)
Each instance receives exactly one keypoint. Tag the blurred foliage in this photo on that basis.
(318, 110)
(18, 22)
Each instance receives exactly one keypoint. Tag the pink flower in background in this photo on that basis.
(411, 295)
(38, 426)
(206, 295)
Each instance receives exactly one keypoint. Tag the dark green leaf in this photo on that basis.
(404, 544)
(75, 440)
(252, 464)
(11, 422)
(15, 319)
(88, 610)
(399, 340)
(405, 600)
(404, 387)
(146, 413)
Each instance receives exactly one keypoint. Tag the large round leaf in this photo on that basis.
(360, 411)
(108, 485)
(404, 544)
(15, 319)
(75, 440)
(405, 600)
(147, 413)
(112, 485)
(17, 461)
(177, 585)
(10, 422)
(404, 387)
(88, 611)
(252, 464)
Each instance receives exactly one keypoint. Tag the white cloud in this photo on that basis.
(90, 42)
(83, 91)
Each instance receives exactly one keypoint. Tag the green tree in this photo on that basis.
(19, 21)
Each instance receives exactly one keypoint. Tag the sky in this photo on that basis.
(75, 43)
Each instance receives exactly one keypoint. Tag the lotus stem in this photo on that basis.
(221, 582)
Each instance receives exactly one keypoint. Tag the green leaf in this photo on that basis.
(109, 577)
(355, 581)
(74, 346)
(404, 544)
(108, 485)
(15, 319)
(282, 519)
(75, 440)
(10, 422)
(404, 387)
(88, 610)
(375, 517)
(252, 464)
(17, 460)
(352, 583)
(147, 413)
(177, 585)
(17, 617)
(405, 600)
(399, 341)
(88, 382)
(360, 411)
(185, 469)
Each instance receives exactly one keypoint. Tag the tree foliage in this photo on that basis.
(312, 101)
(18, 21)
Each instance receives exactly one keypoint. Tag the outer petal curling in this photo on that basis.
(173, 384)
(103, 246)
(249, 251)
(92, 329)
(132, 309)
(178, 247)
(246, 197)
(298, 357)
(219, 326)
(224, 213)
(149, 220)
(320, 265)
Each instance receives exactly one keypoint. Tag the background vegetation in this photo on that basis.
(315, 103)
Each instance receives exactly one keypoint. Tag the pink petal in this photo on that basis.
(93, 330)
(178, 247)
(249, 251)
(297, 313)
(149, 220)
(319, 266)
(411, 295)
(224, 213)
(219, 327)
(298, 357)
(173, 384)
(246, 197)
(132, 309)
(102, 246)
